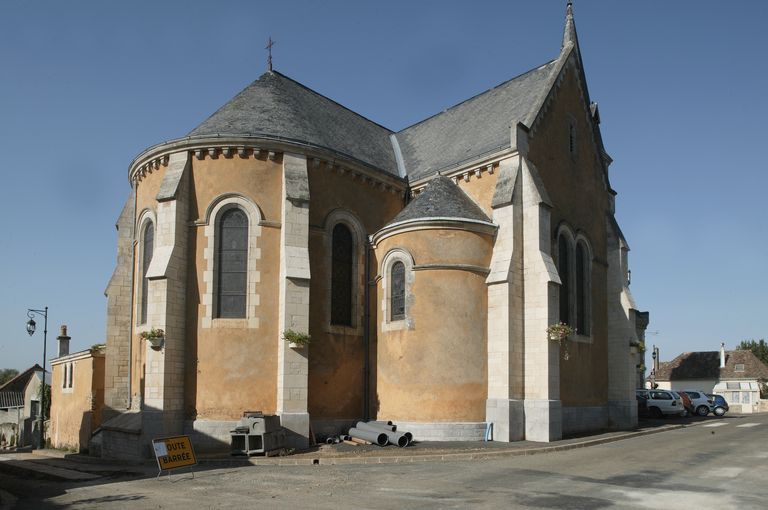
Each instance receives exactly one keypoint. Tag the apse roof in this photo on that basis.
(442, 199)
(275, 106)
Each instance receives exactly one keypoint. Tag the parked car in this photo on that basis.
(719, 405)
(686, 401)
(701, 402)
(662, 403)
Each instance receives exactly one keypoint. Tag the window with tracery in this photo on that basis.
(148, 244)
(582, 286)
(232, 264)
(397, 297)
(342, 257)
(563, 269)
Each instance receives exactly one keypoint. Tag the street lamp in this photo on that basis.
(31, 326)
(654, 354)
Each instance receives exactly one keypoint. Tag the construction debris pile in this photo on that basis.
(380, 433)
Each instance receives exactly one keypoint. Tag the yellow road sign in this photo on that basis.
(174, 452)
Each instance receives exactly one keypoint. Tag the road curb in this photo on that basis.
(439, 457)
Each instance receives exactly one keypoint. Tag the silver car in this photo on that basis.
(700, 401)
(664, 403)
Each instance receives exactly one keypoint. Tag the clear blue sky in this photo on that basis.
(87, 85)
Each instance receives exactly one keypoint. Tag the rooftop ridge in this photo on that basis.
(328, 99)
(480, 94)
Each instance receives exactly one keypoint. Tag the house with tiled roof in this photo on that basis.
(20, 407)
(425, 264)
(736, 375)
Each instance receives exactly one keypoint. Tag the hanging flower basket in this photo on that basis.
(559, 333)
(295, 339)
(155, 337)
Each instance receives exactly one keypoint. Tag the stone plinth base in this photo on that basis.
(584, 419)
(443, 431)
(543, 420)
(296, 426)
(622, 414)
(508, 418)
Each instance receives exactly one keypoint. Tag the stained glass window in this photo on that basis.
(563, 269)
(232, 258)
(341, 276)
(582, 266)
(146, 258)
(398, 291)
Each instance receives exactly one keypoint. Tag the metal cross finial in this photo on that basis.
(270, 43)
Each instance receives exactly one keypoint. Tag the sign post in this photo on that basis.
(174, 453)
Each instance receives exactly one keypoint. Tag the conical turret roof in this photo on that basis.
(441, 199)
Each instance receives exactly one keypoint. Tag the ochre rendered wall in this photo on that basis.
(76, 411)
(481, 189)
(575, 186)
(437, 371)
(231, 368)
(336, 353)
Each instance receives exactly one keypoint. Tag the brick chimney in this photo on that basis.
(63, 340)
(722, 355)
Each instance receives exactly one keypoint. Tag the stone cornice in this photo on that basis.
(472, 169)
(202, 147)
(482, 227)
(453, 267)
(75, 356)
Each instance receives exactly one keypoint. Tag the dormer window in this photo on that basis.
(739, 367)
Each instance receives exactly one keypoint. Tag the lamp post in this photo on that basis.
(31, 325)
(654, 354)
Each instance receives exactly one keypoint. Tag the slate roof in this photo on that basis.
(442, 198)
(19, 383)
(477, 126)
(11, 399)
(706, 365)
(275, 106)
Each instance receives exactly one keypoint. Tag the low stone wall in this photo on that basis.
(122, 445)
(210, 436)
(460, 431)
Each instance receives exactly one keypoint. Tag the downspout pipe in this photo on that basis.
(133, 294)
(367, 335)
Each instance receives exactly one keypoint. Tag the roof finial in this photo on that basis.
(569, 34)
(270, 43)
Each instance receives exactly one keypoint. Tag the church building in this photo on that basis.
(426, 265)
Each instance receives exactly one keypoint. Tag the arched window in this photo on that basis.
(342, 257)
(397, 296)
(582, 289)
(148, 244)
(563, 268)
(232, 261)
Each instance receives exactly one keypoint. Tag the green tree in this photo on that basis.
(6, 374)
(47, 388)
(760, 349)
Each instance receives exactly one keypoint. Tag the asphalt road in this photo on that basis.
(720, 464)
